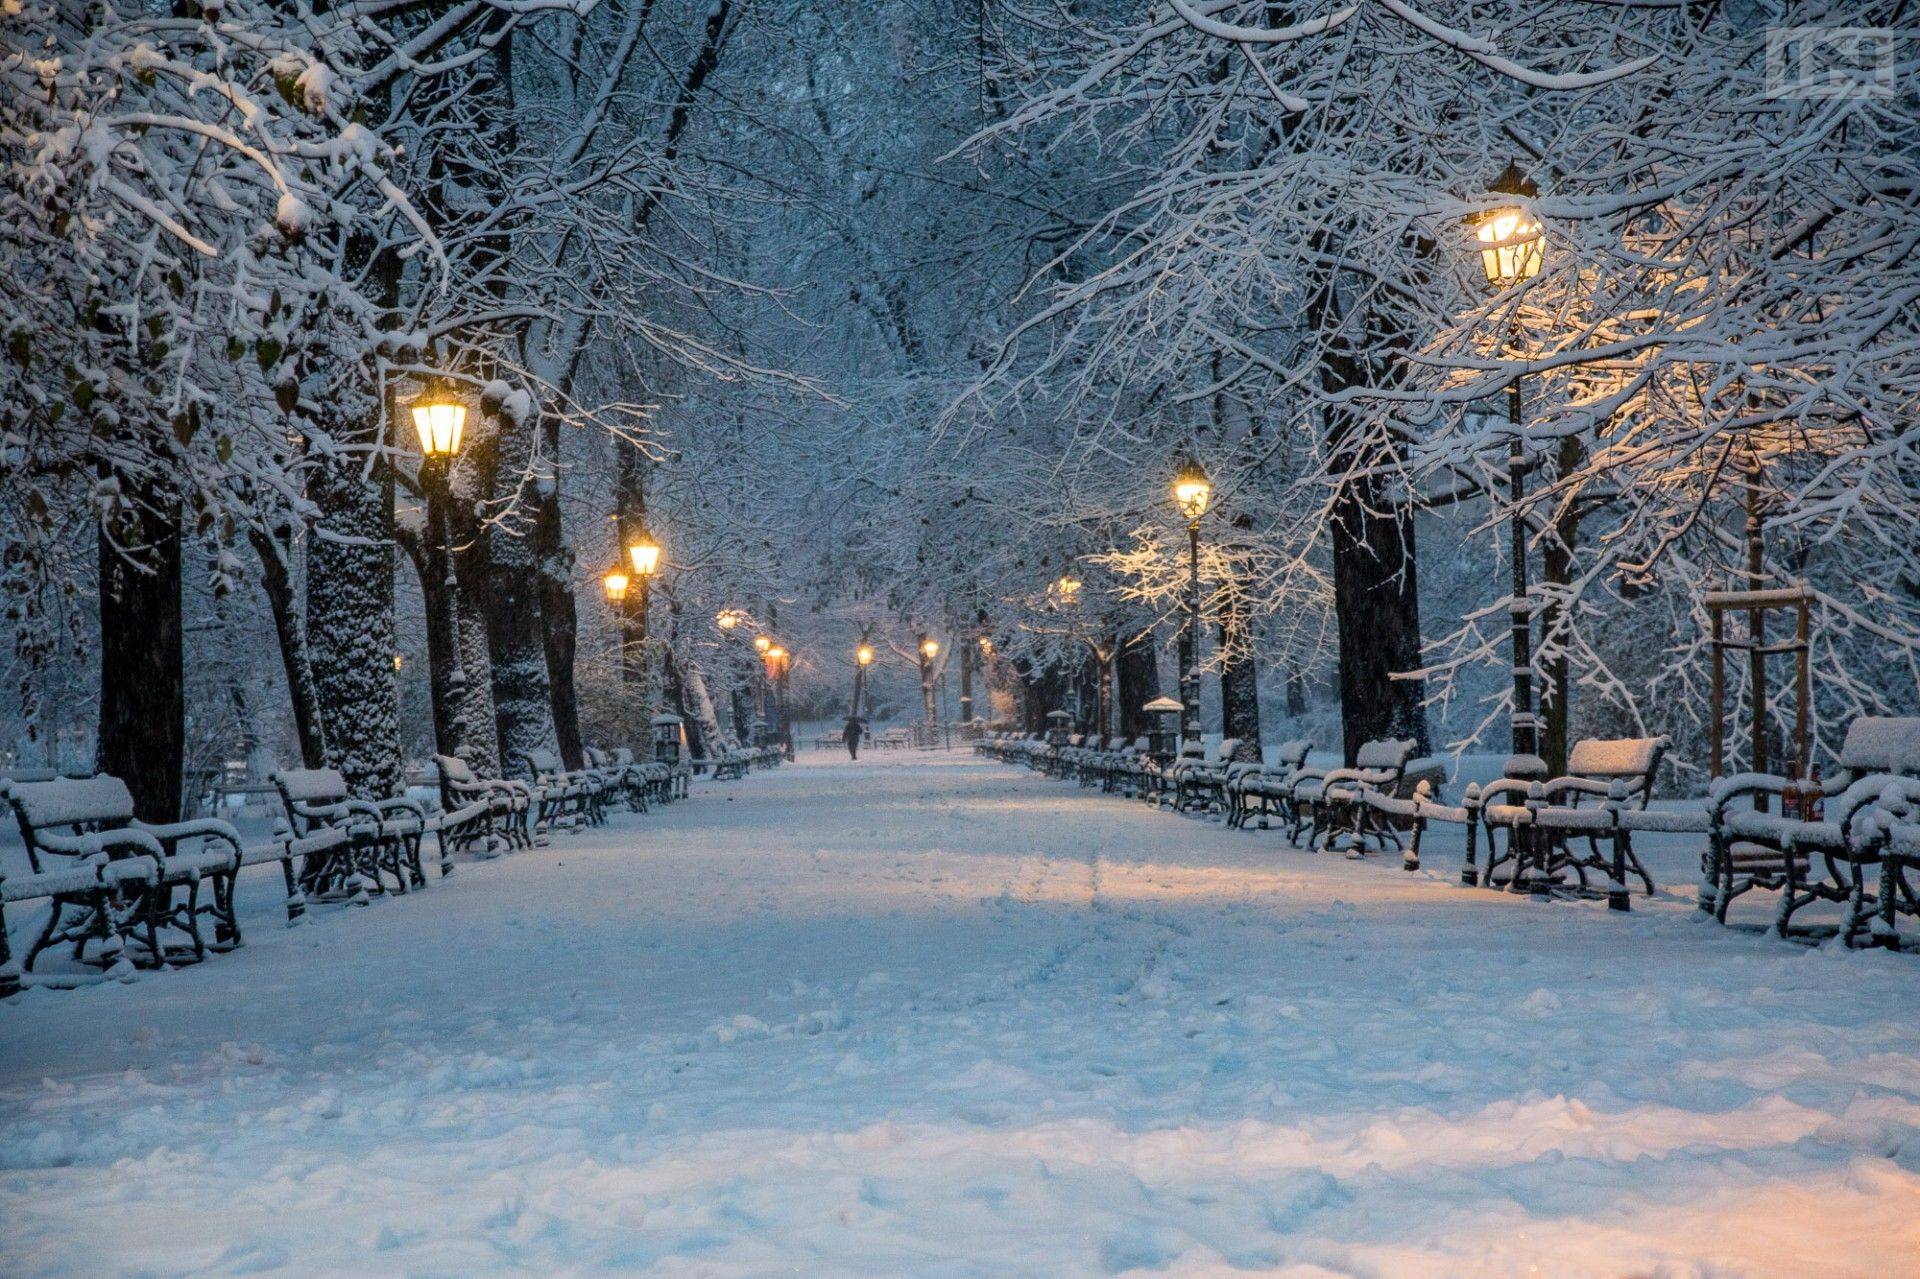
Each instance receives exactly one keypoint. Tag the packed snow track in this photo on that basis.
(945, 1017)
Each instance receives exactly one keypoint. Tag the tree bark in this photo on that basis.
(516, 641)
(1239, 685)
(1139, 684)
(350, 620)
(275, 552)
(558, 620)
(143, 738)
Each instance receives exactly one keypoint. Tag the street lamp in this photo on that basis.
(762, 644)
(645, 553)
(1192, 493)
(615, 585)
(727, 618)
(864, 655)
(930, 648)
(1513, 249)
(439, 418)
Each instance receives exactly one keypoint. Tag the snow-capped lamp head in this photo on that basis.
(645, 554)
(1192, 490)
(1512, 247)
(864, 655)
(615, 585)
(439, 417)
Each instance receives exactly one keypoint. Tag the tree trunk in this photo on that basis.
(522, 703)
(143, 737)
(350, 622)
(275, 552)
(1377, 606)
(559, 624)
(1556, 571)
(1239, 685)
(1139, 684)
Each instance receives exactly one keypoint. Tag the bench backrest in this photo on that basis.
(1384, 755)
(1882, 744)
(544, 763)
(1223, 753)
(1291, 756)
(311, 785)
(1627, 759)
(1192, 748)
(71, 801)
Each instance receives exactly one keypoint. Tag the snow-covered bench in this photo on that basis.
(1265, 790)
(1830, 859)
(480, 810)
(1542, 820)
(1201, 783)
(379, 836)
(113, 880)
(1331, 803)
(562, 797)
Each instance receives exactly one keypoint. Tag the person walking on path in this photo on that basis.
(851, 735)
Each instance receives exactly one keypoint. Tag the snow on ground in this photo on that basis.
(945, 1017)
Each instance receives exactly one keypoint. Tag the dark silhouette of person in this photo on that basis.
(851, 735)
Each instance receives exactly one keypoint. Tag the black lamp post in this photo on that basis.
(1192, 491)
(1512, 249)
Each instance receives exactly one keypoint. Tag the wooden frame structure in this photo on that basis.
(1756, 604)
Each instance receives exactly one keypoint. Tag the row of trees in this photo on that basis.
(240, 238)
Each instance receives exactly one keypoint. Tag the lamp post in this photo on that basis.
(440, 419)
(779, 662)
(862, 659)
(929, 649)
(1192, 491)
(643, 554)
(1512, 249)
(761, 645)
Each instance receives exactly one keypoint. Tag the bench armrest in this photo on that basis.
(96, 843)
(171, 833)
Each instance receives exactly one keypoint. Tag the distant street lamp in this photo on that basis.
(727, 619)
(1512, 250)
(864, 655)
(1192, 493)
(615, 585)
(762, 644)
(930, 648)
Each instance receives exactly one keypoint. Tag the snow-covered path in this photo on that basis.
(949, 1018)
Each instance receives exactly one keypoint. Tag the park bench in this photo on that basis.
(623, 777)
(1265, 790)
(508, 805)
(381, 836)
(730, 765)
(1201, 783)
(563, 798)
(1749, 849)
(1543, 820)
(116, 881)
(1332, 803)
